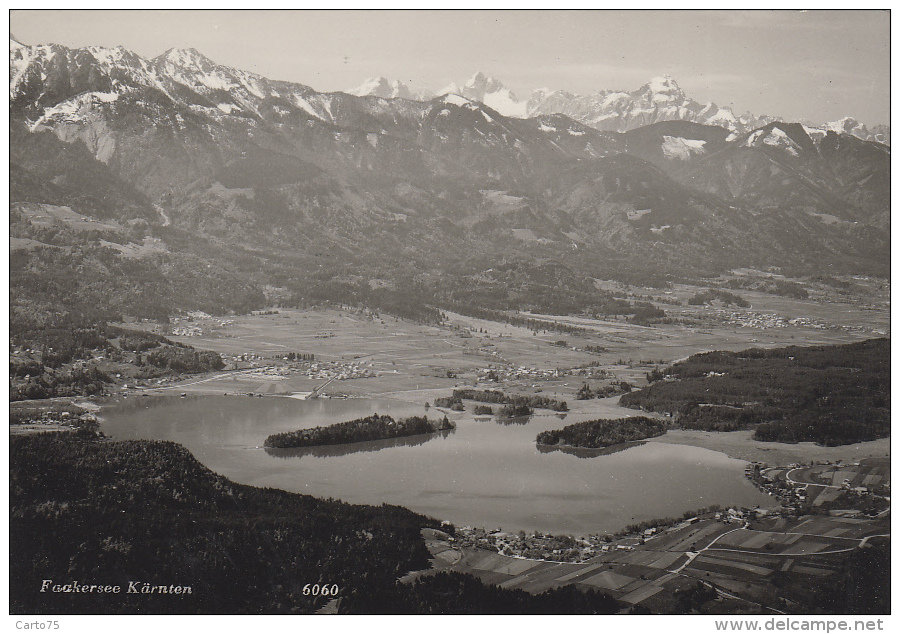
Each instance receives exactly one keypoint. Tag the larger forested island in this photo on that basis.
(601, 433)
(831, 395)
(372, 427)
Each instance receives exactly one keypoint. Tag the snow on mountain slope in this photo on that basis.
(790, 138)
(505, 103)
(458, 100)
(660, 99)
(236, 93)
(680, 148)
(664, 90)
(491, 93)
(189, 68)
(334, 168)
(849, 125)
(60, 88)
(19, 60)
(382, 87)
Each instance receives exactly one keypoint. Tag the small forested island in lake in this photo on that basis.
(601, 433)
(372, 427)
(519, 402)
(516, 410)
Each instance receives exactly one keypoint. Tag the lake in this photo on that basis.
(483, 473)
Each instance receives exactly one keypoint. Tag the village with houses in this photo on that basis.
(190, 324)
(797, 490)
(313, 370)
(823, 512)
(847, 489)
(768, 321)
(499, 373)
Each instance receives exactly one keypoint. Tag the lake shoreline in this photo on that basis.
(736, 444)
(473, 476)
(742, 446)
(627, 443)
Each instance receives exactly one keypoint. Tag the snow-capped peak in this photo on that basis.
(661, 91)
(370, 86)
(484, 84)
(849, 125)
(116, 56)
(773, 136)
(382, 87)
(492, 93)
(191, 68)
(843, 125)
(185, 58)
(664, 84)
(660, 99)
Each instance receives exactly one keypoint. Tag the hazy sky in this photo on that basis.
(816, 65)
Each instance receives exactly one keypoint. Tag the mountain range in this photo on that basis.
(660, 99)
(150, 185)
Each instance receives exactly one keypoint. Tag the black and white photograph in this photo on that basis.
(450, 312)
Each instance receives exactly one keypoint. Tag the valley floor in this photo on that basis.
(357, 354)
(360, 354)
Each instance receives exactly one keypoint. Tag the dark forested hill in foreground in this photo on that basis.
(104, 513)
(114, 512)
(831, 395)
(457, 593)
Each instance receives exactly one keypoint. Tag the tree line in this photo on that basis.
(534, 401)
(603, 432)
(586, 393)
(64, 368)
(372, 427)
(713, 294)
(772, 286)
(457, 593)
(831, 395)
(113, 512)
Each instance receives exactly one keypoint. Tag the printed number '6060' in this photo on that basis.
(323, 590)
